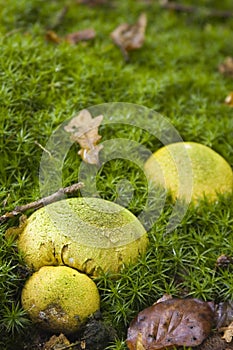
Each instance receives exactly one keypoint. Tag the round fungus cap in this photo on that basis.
(190, 171)
(59, 298)
(89, 234)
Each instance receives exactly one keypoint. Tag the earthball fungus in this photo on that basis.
(190, 171)
(60, 298)
(88, 234)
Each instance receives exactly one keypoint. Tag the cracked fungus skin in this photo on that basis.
(59, 298)
(89, 234)
(190, 171)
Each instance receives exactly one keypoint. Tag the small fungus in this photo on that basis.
(190, 171)
(59, 298)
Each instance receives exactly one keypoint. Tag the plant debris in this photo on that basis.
(15, 231)
(171, 322)
(223, 314)
(42, 202)
(224, 261)
(76, 37)
(56, 342)
(52, 37)
(97, 335)
(174, 6)
(214, 342)
(226, 67)
(228, 332)
(72, 38)
(130, 37)
(224, 320)
(229, 99)
(93, 2)
(84, 130)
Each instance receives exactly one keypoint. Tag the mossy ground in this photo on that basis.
(176, 74)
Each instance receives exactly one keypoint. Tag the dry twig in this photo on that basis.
(194, 9)
(68, 347)
(42, 202)
(44, 149)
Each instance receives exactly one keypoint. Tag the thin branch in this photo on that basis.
(44, 149)
(43, 201)
(67, 347)
(6, 200)
(194, 9)
(12, 32)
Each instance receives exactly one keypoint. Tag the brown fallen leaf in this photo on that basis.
(229, 99)
(226, 67)
(209, 12)
(72, 38)
(15, 231)
(56, 342)
(52, 37)
(84, 130)
(130, 37)
(93, 2)
(170, 323)
(223, 314)
(228, 332)
(82, 35)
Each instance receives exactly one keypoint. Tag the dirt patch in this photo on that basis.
(95, 335)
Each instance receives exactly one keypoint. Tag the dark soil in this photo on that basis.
(95, 335)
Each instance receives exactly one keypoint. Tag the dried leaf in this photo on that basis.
(83, 345)
(52, 37)
(229, 99)
(56, 342)
(228, 332)
(165, 297)
(93, 2)
(86, 34)
(223, 314)
(84, 130)
(72, 38)
(130, 37)
(15, 231)
(224, 261)
(169, 323)
(226, 67)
